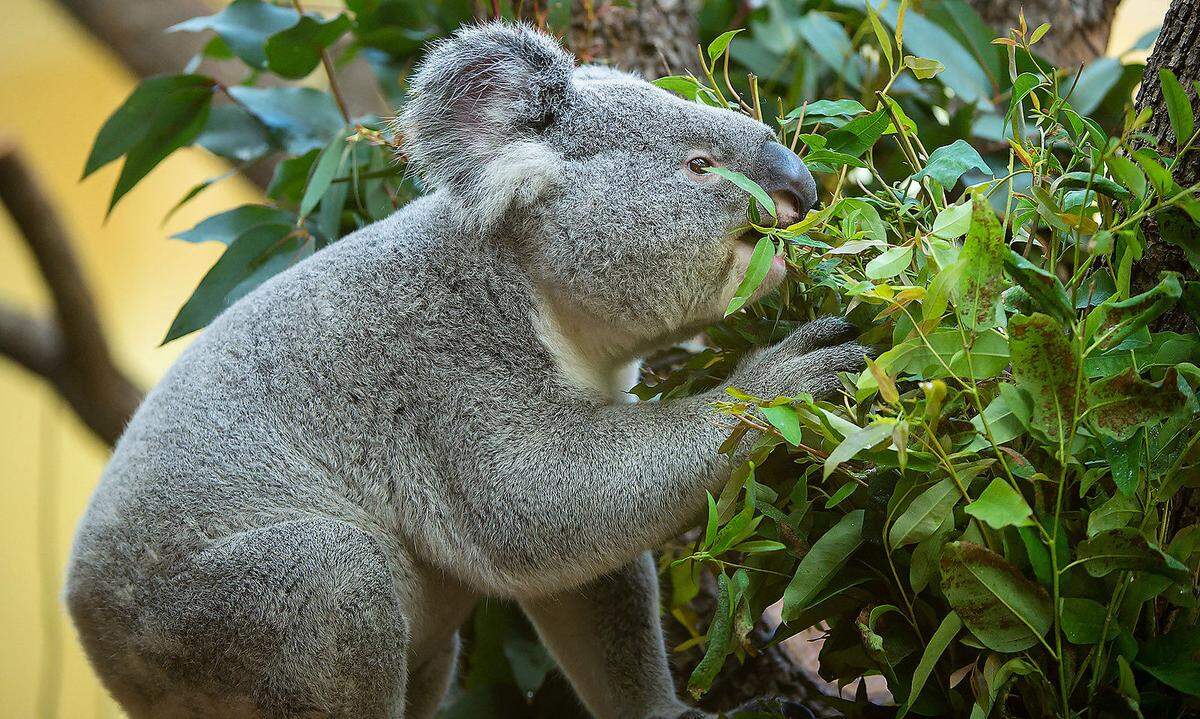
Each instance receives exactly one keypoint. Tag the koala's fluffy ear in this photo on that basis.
(476, 105)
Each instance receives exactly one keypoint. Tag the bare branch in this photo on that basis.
(68, 350)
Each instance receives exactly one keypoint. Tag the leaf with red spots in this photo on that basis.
(1044, 364)
(981, 260)
(1119, 405)
(1003, 609)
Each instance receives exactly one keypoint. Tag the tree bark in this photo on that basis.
(1176, 51)
(1080, 27)
(651, 37)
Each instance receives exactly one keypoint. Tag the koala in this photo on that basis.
(433, 411)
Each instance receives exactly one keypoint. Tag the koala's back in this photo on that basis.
(308, 398)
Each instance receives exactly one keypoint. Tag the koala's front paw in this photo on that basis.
(807, 360)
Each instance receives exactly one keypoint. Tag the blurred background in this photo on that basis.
(58, 84)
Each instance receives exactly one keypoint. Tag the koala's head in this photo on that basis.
(595, 177)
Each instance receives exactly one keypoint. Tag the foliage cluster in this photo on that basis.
(984, 518)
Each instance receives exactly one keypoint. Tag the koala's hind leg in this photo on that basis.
(298, 619)
(427, 683)
(607, 636)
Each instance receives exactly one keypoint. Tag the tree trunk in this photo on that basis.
(1176, 51)
(1080, 27)
(650, 37)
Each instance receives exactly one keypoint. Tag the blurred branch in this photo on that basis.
(68, 349)
(1081, 27)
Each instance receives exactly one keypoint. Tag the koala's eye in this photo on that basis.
(697, 165)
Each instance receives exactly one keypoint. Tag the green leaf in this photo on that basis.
(1007, 612)
(821, 109)
(953, 222)
(857, 136)
(130, 124)
(295, 52)
(1174, 659)
(719, 634)
(783, 418)
(857, 441)
(1001, 506)
(1043, 286)
(947, 164)
(1128, 172)
(710, 529)
(922, 67)
(1045, 366)
(680, 85)
(822, 562)
(305, 117)
(1115, 513)
(1126, 548)
(1179, 107)
(1025, 83)
(982, 268)
(1083, 621)
(234, 134)
(228, 225)
(1120, 404)
(717, 47)
(737, 178)
(1007, 416)
(245, 26)
(925, 514)
(251, 259)
(327, 167)
(841, 494)
(756, 272)
(1113, 321)
(890, 262)
(941, 639)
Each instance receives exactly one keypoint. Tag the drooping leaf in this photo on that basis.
(1124, 402)
(251, 259)
(327, 167)
(1001, 506)
(227, 226)
(234, 134)
(758, 193)
(826, 558)
(1083, 621)
(1043, 286)
(947, 164)
(1006, 611)
(720, 633)
(1179, 107)
(941, 639)
(1174, 659)
(1045, 366)
(982, 275)
(1126, 548)
(1112, 321)
(756, 272)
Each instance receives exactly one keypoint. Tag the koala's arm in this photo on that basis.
(590, 487)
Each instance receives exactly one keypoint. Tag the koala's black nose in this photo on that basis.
(783, 175)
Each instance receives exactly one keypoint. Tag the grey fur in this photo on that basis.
(430, 411)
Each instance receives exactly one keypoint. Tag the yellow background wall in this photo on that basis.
(56, 88)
